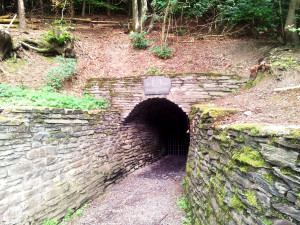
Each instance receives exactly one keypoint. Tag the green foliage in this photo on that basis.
(154, 71)
(284, 63)
(183, 206)
(58, 34)
(50, 222)
(10, 96)
(163, 52)
(94, 4)
(78, 212)
(55, 76)
(138, 40)
(67, 217)
(181, 32)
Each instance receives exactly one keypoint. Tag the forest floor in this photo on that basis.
(107, 52)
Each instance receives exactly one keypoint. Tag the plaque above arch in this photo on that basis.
(157, 85)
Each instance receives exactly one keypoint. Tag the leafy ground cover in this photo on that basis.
(46, 97)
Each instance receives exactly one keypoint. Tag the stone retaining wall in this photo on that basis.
(186, 90)
(52, 160)
(242, 173)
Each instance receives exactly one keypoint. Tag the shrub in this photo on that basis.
(58, 34)
(163, 52)
(138, 40)
(55, 76)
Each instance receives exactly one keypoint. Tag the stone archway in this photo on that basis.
(166, 120)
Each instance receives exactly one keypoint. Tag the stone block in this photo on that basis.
(288, 210)
(279, 156)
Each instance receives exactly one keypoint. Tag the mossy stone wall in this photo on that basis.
(52, 160)
(242, 173)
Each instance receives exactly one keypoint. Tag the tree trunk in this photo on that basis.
(21, 11)
(291, 21)
(143, 17)
(150, 28)
(163, 30)
(108, 10)
(42, 6)
(72, 10)
(135, 16)
(5, 43)
(83, 8)
(2, 7)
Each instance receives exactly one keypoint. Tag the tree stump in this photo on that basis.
(5, 43)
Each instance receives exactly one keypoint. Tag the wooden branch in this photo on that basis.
(12, 26)
(106, 22)
(8, 20)
(5, 17)
(79, 19)
(287, 88)
(17, 21)
(40, 50)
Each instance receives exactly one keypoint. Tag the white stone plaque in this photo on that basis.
(157, 85)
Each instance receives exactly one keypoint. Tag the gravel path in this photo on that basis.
(145, 197)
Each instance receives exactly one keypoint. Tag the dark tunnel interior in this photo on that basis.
(168, 120)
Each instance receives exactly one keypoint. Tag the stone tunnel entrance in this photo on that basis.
(167, 123)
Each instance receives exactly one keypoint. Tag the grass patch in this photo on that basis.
(16, 96)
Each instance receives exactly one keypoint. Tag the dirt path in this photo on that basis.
(145, 197)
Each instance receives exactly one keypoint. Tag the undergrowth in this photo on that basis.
(138, 40)
(17, 96)
(163, 52)
(183, 207)
(70, 214)
(56, 76)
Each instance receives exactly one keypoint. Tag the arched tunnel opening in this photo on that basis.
(166, 121)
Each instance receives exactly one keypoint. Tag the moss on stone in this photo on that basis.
(210, 111)
(295, 133)
(240, 139)
(251, 198)
(236, 203)
(288, 171)
(250, 156)
(267, 221)
(244, 168)
(249, 128)
(269, 177)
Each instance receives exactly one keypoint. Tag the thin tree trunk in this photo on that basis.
(21, 11)
(163, 30)
(108, 10)
(281, 18)
(83, 8)
(72, 10)
(150, 28)
(291, 21)
(143, 17)
(135, 16)
(42, 6)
